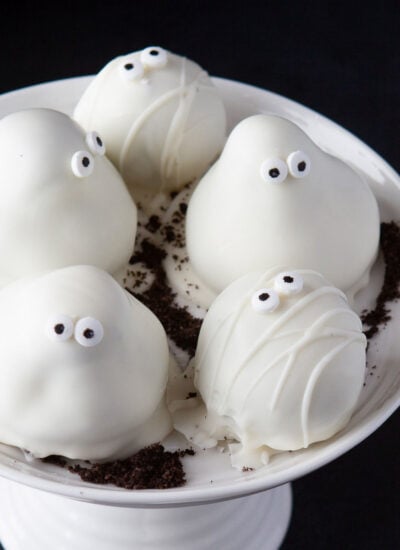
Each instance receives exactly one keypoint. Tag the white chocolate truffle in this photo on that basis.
(62, 202)
(160, 115)
(280, 364)
(83, 367)
(275, 198)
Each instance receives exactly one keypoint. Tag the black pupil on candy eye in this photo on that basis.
(88, 333)
(301, 166)
(264, 296)
(288, 279)
(274, 172)
(153, 52)
(59, 328)
(128, 66)
(99, 142)
(85, 162)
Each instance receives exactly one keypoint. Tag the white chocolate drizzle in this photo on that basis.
(310, 336)
(185, 92)
(325, 325)
(312, 382)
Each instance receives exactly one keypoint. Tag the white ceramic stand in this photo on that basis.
(35, 520)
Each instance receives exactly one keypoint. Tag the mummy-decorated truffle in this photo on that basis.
(275, 198)
(83, 367)
(62, 202)
(160, 115)
(280, 364)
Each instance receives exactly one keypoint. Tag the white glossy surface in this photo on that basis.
(54, 210)
(256, 221)
(381, 395)
(277, 379)
(53, 522)
(160, 115)
(85, 398)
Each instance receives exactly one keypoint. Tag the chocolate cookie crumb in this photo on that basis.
(150, 255)
(56, 460)
(151, 468)
(180, 326)
(169, 233)
(390, 246)
(154, 224)
(191, 394)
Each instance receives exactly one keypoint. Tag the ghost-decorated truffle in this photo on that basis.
(280, 364)
(160, 115)
(62, 202)
(83, 367)
(275, 198)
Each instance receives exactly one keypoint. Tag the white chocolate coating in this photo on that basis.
(59, 395)
(240, 220)
(281, 378)
(163, 124)
(54, 211)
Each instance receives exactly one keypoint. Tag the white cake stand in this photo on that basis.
(44, 507)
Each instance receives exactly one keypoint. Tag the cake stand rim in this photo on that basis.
(200, 495)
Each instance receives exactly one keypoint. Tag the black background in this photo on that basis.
(339, 58)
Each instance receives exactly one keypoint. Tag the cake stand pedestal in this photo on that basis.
(31, 519)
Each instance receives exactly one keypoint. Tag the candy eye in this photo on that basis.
(288, 282)
(154, 57)
(299, 164)
(95, 144)
(265, 300)
(60, 328)
(82, 164)
(132, 70)
(274, 170)
(88, 332)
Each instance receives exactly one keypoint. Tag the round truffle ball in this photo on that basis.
(160, 115)
(275, 198)
(62, 202)
(84, 367)
(280, 364)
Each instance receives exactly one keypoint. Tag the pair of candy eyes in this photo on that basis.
(266, 300)
(275, 170)
(82, 162)
(88, 332)
(150, 58)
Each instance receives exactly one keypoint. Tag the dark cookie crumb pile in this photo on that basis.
(173, 232)
(390, 246)
(56, 460)
(151, 468)
(154, 224)
(181, 327)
